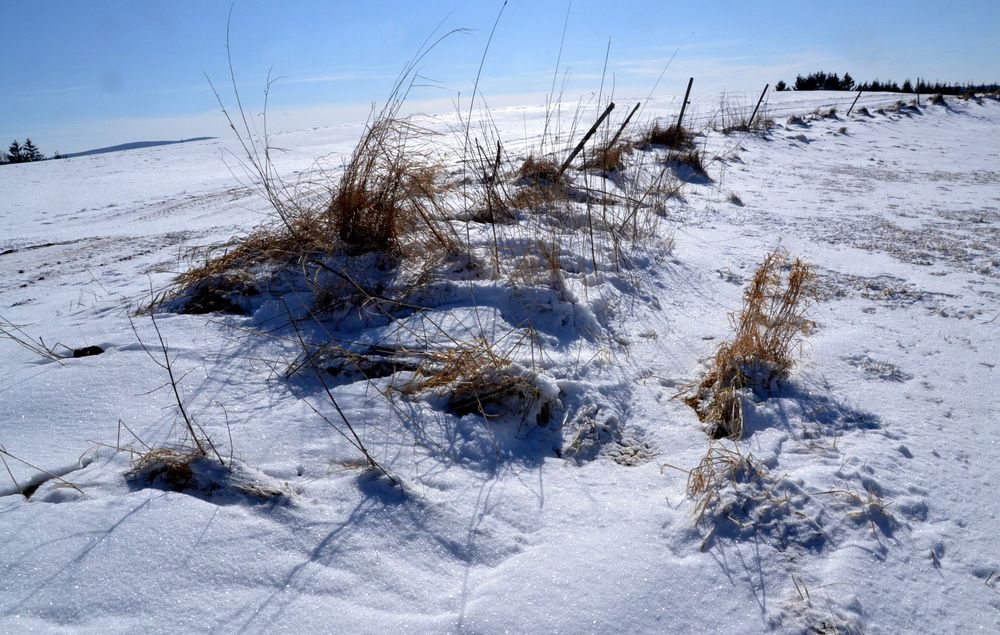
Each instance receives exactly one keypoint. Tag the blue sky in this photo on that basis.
(86, 73)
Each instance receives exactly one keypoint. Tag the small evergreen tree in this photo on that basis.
(30, 152)
(907, 86)
(15, 154)
(781, 86)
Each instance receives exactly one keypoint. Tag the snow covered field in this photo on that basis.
(871, 506)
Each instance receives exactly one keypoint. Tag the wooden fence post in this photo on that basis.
(684, 104)
(621, 129)
(852, 103)
(590, 133)
(757, 107)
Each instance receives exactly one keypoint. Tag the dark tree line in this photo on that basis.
(17, 153)
(822, 80)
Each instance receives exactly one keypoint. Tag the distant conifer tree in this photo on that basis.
(15, 154)
(30, 152)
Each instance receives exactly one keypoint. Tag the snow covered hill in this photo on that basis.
(861, 496)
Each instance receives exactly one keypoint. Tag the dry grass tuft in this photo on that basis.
(533, 197)
(387, 190)
(165, 468)
(769, 328)
(938, 100)
(539, 171)
(386, 201)
(194, 473)
(539, 185)
(720, 467)
(608, 158)
(229, 272)
(472, 378)
(674, 137)
(385, 204)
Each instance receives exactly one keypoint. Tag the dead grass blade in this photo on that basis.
(769, 329)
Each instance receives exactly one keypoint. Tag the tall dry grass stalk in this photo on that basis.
(388, 190)
(769, 329)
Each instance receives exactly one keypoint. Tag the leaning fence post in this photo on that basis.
(853, 102)
(624, 123)
(684, 104)
(757, 107)
(590, 133)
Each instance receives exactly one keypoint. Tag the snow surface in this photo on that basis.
(877, 513)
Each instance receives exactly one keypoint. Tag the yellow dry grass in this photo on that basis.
(769, 329)
(475, 378)
(387, 191)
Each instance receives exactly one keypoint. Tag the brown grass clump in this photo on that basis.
(474, 378)
(227, 273)
(608, 158)
(720, 467)
(768, 331)
(387, 191)
(938, 100)
(532, 197)
(539, 184)
(543, 171)
(674, 137)
(165, 468)
(192, 472)
(385, 203)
